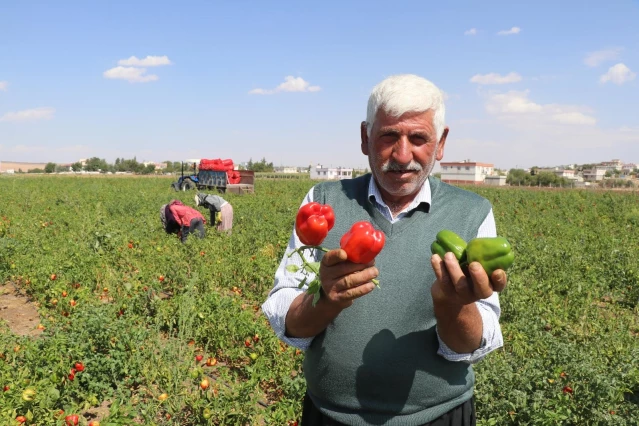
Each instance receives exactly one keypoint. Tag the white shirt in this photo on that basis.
(285, 289)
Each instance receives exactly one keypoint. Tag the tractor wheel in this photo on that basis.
(188, 185)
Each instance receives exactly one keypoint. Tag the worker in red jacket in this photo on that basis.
(181, 219)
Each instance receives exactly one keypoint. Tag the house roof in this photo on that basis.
(466, 163)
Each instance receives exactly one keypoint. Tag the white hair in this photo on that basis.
(399, 94)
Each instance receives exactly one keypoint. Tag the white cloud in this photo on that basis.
(149, 61)
(494, 78)
(593, 59)
(130, 74)
(574, 118)
(618, 74)
(4, 85)
(472, 31)
(513, 30)
(44, 113)
(516, 107)
(291, 84)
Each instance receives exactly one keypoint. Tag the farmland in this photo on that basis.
(112, 291)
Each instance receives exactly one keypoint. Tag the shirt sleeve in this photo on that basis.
(489, 310)
(285, 290)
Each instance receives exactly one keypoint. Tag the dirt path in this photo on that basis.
(18, 312)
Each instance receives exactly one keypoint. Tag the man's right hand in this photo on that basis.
(344, 281)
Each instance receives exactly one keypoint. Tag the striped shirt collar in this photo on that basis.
(423, 196)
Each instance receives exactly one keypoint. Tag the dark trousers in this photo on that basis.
(196, 226)
(462, 415)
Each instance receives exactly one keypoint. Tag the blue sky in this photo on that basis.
(536, 84)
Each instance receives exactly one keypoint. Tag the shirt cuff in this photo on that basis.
(490, 340)
(276, 308)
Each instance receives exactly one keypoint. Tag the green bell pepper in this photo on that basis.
(492, 253)
(449, 241)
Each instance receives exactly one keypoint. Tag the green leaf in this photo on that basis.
(292, 268)
(314, 266)
(301, 285)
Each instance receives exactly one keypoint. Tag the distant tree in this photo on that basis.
(49, 168)
(547, 178)
(36, 171)
(517, 177)
(95, 164)
(169, 166)
(261, 166)
(76, 167)
(148, 169)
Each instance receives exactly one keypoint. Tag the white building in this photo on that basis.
(495, 180)
(559, 172)
(612, 165)
(320, 172)
(465, 172)
(288, 170)
(595, 174)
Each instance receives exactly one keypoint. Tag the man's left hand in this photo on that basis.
(452, 287)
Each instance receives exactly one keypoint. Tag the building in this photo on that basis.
(329, 173)
(158, 166)
(595, 174)
(466, 172)
(286, 170)
(559, 172)
(612, 165)
(495, 180)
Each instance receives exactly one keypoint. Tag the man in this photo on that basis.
(221, 210)
(401, 354)
(181, 219)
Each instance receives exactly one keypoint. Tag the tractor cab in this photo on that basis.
(189, 180)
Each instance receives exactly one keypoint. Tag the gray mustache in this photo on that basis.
(392, 166)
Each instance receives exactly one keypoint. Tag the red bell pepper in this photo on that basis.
(313, 222)
(362, 243)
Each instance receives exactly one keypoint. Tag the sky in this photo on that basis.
(542, 83)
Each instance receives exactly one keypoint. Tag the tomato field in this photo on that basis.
(133, 327)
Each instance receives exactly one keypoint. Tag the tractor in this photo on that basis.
(202, 177)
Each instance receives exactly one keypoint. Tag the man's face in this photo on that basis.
(402, 152)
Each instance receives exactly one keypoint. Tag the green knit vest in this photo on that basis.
(377, 362)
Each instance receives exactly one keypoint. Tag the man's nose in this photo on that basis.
(402, 153)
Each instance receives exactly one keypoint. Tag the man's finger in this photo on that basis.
(499, 280)
(356, 292)
(333, 257)
(457, 281)
(438, 267)
(357, 278)
(481, 284)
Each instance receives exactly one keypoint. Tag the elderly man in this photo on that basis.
(402, 354)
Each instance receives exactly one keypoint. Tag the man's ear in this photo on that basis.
(440, 145)
(364, 138)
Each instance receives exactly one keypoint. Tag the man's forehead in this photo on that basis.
(423, 119)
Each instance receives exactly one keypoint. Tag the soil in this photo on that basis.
(18, 311)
